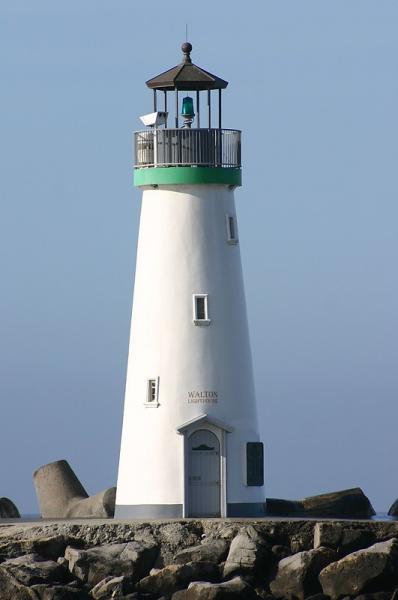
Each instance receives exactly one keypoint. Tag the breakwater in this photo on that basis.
(198, 559)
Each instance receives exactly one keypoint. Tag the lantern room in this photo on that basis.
(189, 99)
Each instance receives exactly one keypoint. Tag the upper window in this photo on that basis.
(232, 234)
(200, 309)
(152, 392)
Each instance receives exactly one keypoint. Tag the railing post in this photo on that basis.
(155, 147)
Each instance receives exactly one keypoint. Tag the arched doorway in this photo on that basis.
(204, 474)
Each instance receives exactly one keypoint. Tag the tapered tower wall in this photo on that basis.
(183, 250)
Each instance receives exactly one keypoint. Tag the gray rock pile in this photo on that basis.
(199, 560)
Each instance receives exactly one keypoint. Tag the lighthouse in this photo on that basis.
(190, 442)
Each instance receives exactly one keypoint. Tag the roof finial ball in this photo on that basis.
(187, 49)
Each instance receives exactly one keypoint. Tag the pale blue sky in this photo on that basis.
(314, 87)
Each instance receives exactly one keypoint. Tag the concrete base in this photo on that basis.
(148, 511)
(174, 511)
(246, 509)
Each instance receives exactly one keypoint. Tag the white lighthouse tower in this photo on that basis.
(190, 443)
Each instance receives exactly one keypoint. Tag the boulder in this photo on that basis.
(247, 554)
(279, 551)
(61, 495)
(8, 510)
(301, 541)
(51, 547)
(371, 569)
(110, 587)
(140, 596)
(58, 592)
(297, 575)
(211, 551)
(132, 560)
(342, 538)
(201, 590)
(375, 596)
(11, 589)
(32, 568)
(343, 504)
(176, 577)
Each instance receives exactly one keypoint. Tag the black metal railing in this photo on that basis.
(187, 147)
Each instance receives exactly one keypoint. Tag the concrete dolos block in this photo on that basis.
(8, 510)
(61, 495)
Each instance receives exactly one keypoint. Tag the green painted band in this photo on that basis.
(187, 175)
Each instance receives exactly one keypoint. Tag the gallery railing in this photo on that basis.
(187, 147)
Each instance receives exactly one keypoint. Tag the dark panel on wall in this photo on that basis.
(255, 463)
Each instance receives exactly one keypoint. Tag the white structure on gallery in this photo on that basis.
(190, 443)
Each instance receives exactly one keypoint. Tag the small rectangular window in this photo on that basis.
(152, 392)
(254, 464)
(200, 309)
(232, 234)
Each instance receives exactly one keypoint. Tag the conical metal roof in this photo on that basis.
(186, 76)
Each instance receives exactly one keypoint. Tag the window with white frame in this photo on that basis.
(200, 309)
(152, 392)
(232, 233)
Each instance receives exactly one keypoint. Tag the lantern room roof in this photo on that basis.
(186, 76)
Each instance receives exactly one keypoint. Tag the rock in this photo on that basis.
(30, 577)
(234, 588)
(61, 495)
(140, 596)
(132, 560)
(343, 504)
(212, 551)
(63, 562)
(50, 547)
(280, 551)
(355, 539)
(8, 510)
(342, 538)
(362, 570)
(328, 535)
(58, 592)
(110, 587)
(176, 577)
(11, 589)
(297, 575)
(176, 536)
(375, 596)
(247, 554)
(32, 568)
(300, 542)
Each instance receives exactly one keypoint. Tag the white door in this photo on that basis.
(203, 474)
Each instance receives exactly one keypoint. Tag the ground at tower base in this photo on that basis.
(199, 559)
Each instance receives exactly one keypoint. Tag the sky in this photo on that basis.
(314, 87)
